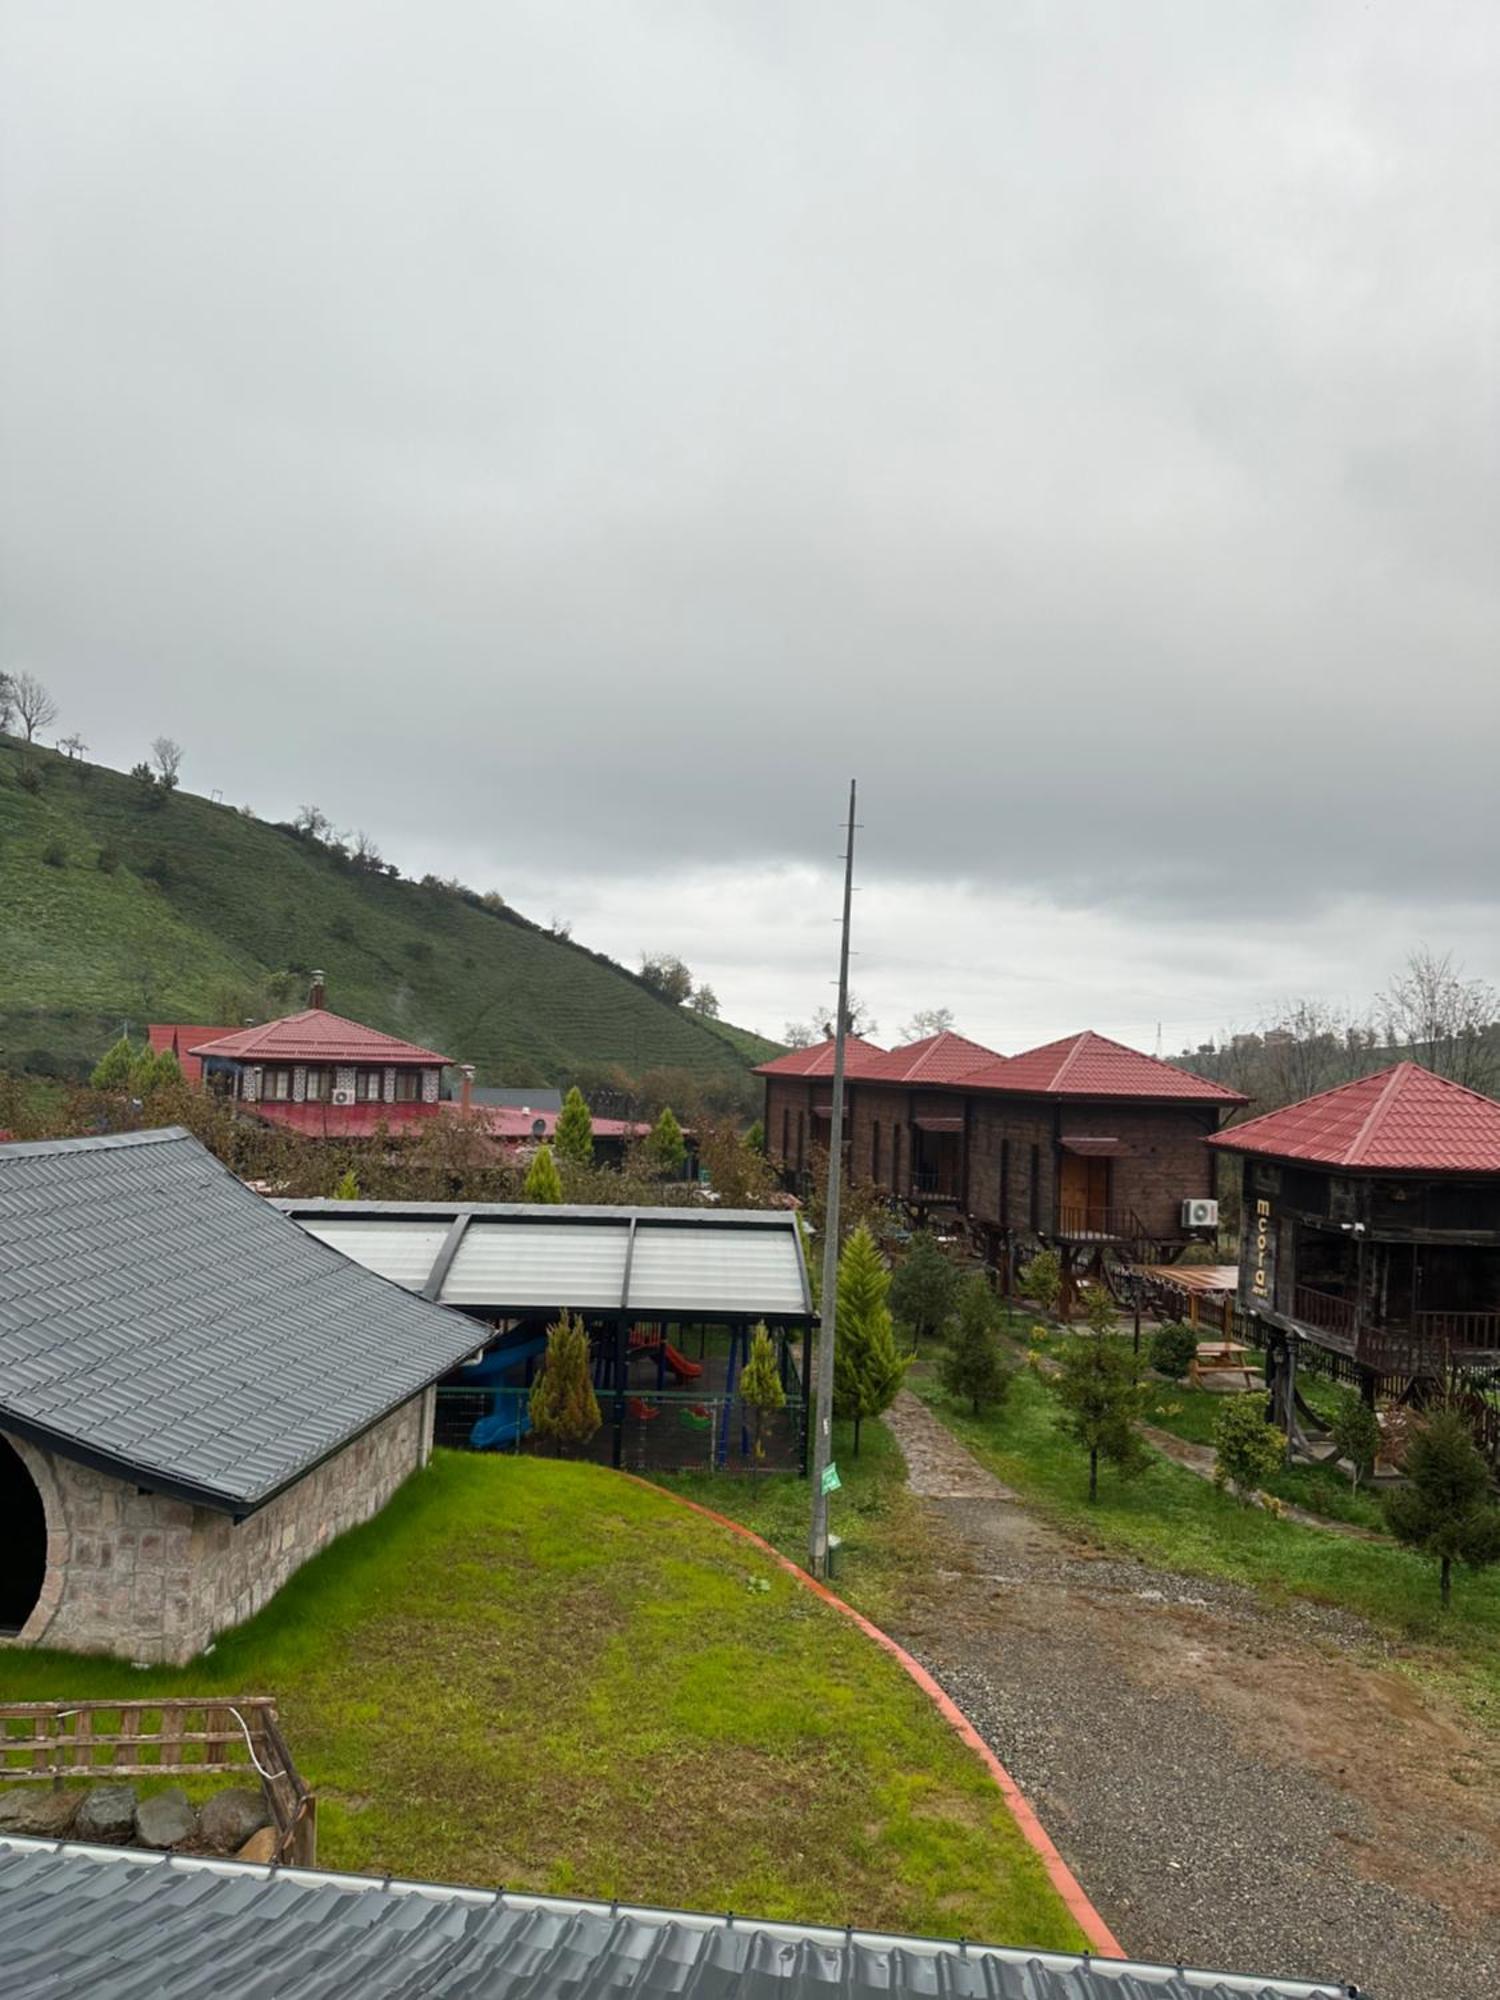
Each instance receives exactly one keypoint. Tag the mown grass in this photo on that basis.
(544, 1675)
(202, 899)
(1172, 1519)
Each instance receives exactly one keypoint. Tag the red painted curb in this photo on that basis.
(1061, 1876)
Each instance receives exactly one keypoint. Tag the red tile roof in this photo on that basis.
(180, 1037)
(818, 1060)
(315, 1035)
(1401, 1120)
(1090, 1065)
(503, 1122)
(935, 1059)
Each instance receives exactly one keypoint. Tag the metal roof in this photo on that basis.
(161, 1321)
(859, 1058)
(77, 1921)
(1405, 1119)
(1090, 1065)
(315, 1035)
(516, 1257)
(935, 1059)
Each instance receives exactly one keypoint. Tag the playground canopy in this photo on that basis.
(510, 1259)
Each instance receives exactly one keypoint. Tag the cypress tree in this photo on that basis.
(543, 1182)
(112, 1071)
(973, 1369)
(867, 1367)
(1444, 1510)
(924, 1288)
(760, 1383)
(562, 1403)
(666, 1146)
(575, 1130)
(1098, 1386)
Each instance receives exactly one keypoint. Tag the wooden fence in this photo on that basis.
(43, 1741)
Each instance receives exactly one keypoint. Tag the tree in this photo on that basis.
(1355, 1430)
(666, 975)
(543, 1182)
(928, 1021)
(7, 703)
(74, 745)
(313, 822)
(166, 756)
(1042, 1279)
(147, 791)
(1174, 1349)
(867, 1367)
(1098, 1385)
(973, 1369)
(802, 1034)
(924, 1288)
(1247, 1450)
(666, 1148)
(112, 1071)
(365, 854)
(562, 1403)
(1444, 1511)
(1435, 1016)
(346, 1187)
(575, 1130)
(705, 1001)
(1099, 1310)
(760, 1384)
(739, 1175)
(32, 704)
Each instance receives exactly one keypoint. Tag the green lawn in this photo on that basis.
(1170, 1518)
(545, 1675)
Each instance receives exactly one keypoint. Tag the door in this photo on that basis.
(1083, 1196)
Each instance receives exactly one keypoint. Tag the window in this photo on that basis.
(317, 1086)
(1005, 1183)
(367, 1086)
(875, 1153)
(276, 1085)
(408, 1086)
(1035, 1190)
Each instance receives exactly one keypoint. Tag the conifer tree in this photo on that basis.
(924, 1288)
(112, 1071)
(666, 1148)
(1444, 1510)
(562, 1403)
(868, 1369)
(973, 1369)
(1355, 1431)
(575, 1130)
(346, 1187)
(760, 1384)
(1098, 1385)
(543, 1182)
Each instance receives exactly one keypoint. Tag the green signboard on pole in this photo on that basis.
(831, 1480)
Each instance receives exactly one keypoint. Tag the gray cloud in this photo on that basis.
(624, 422)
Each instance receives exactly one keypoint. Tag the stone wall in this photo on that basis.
(143, 1577)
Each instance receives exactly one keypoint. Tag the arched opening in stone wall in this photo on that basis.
(23, 1541)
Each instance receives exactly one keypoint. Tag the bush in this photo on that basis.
(1248, 1450)
(1042, 1279)
(55, 854)
(1174, 1348)
(973, 1369)
(1356, 1432)
(563, 1405)
(28, 777)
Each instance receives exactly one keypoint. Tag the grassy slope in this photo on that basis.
(547, 1676)
(1170, 1518)
(240, 899)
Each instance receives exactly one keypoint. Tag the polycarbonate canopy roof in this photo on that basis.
(671, 1263)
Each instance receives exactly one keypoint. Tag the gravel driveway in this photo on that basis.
(1236, 1786)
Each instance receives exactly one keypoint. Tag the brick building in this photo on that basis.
(195, 1395)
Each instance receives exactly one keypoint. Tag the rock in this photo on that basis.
(260, 1846)
(165, 1819)
(107, 1815)
(227, 1820)
(43, 1813)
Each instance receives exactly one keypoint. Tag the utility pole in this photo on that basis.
(823, 1416)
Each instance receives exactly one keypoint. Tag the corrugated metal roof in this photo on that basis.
(78, 1922)
(687, 1264)
(1405, 1119)
(160, 1319)
(316, 1035)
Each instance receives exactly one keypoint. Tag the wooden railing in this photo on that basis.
(44, 1741)
(1116, 1223)
(1463, 1332)
(945, 1182)
(1325, 1311)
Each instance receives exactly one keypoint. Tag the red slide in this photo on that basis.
(681, 1367)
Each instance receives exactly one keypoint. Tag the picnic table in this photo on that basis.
(1221, 1357)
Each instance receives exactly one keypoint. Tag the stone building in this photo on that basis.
(195, 1395)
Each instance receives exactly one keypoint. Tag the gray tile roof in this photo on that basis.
(77, 1921)
(160, 1320)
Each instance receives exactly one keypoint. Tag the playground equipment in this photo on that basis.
(509, 1417)
(651, 1340)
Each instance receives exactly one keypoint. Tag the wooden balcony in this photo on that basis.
(1326, 1312)
(1424, 1343)
(1099, 1225)
(936, 1184)
(1462, 1333)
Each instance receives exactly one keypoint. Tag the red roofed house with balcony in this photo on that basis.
(1371, 1229)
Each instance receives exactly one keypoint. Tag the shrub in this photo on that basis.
(346, 1187)
(1098, 1385)
(1099, 1309)
(925, 1287)
(543, 1182)
(28, 776)
(760, 1384)
(1248, 1450)
(1174, 1347)
(1355, 1430)
(665, 1147)
(106, 861)
(1042, 1279)
(575, 1129)
(55, 854)
(563, 1405)
(112, 1071)
(1445, 1511)
(973, 1369)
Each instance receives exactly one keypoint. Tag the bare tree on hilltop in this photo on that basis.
(23, 695)
(1432, 1014)
(166, 759)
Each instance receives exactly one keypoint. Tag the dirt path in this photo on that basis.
(1235, 1785)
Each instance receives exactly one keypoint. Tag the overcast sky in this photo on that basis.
(571, 441)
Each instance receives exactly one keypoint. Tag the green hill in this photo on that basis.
(119, 905)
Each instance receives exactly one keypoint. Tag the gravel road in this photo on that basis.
(1236, 1786)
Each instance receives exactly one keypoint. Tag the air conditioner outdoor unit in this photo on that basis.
(1198, 1212)
(343, 1097)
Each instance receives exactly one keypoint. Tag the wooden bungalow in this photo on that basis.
(1371, 1229)
(799, 1103)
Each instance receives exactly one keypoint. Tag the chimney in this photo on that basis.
(466, 1088)
(318, 997)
